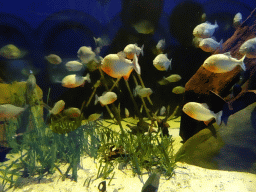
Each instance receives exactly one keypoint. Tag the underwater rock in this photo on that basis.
(205, 87)
(203, 81)
(230, 146)
(15, 93)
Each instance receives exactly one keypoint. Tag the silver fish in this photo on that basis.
(162, 63)
(205, 30)
(201, 112)
(221, 63)
(248, 48)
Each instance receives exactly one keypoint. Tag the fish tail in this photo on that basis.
(218, 117)
(242, 63)
(142, 47)
(170, 64)
(134, 92)
(88, 78)
(136, 65)
(216, 24)
(96, 99)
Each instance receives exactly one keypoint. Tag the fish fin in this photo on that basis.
(170, 64)
(136, 65)
(242, 63)
(88, 78)
(96, 99)
(142, 47)
(218, 117)
(121, 55)
(208, 122)
(134, 92)
(216, 24)
(104, 93)
(214, 38)
(205, 105)
(227, 54)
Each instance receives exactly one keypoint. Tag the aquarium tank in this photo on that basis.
(124, 95)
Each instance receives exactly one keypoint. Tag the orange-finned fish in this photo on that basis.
(116, 66)
(201, 112)
(72, 81)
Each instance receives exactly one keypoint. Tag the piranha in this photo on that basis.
(237, 21)
(72, 112)
(160, 45)
(142, 92)
(53, 59)
(132, 49)
(221, 63)
(170, 79)
(178, 90)
(248, 48)
(85, 54)
(95, 116)
(74, 66)
(205, 30)
(102, 41)
(201, 112)
(58, 107)
(11, 52)
(8, 111)
(162, 110)
(210, 45)
(106, 98)
(72, 81)
(126, 112)
(31, 83)
(162, 63)
(196, 41)
(116, 66)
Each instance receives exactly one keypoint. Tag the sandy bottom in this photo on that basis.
(187, 178)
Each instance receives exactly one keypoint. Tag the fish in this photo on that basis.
(58, 107)
(85, 54)
(142, 92)
(74, 66)
(178, 90)
(201, 112)
(31, 82)
(106, 98)
(102, 41)
(210, 45)
(221, 63)
(53, 59)
(72, 81)
(205, 30)
(162, 63)
(248, 48)
(8, 111)
(196, 41)
(116, 66)
(170, 79)
(95, 116)
(132, 49)
(161, 45)
(10, 51)
(162, 110)
(203, 17)
(126, 112)
(72, 112)
(237, 21)
(144, 27)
